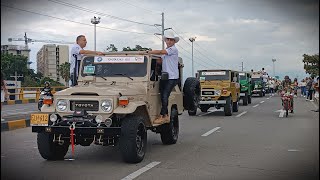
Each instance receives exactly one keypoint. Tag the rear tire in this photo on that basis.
(228, 107)
(50, 150)
(133, 139)
(170, 131)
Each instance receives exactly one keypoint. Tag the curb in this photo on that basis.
(24, 101)
(16, 124)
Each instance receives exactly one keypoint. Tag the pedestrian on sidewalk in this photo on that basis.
(4, 93)
(310, 87)
(302, 85)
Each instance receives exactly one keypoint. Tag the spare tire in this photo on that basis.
(191, 93)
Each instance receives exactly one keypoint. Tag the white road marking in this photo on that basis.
(268, 98)
(241, 114)
(293, 150)
(209, 112)
(255, 105)
(70, 159)
(211, 131)
(262, 102)
(140, 171)
(281, 113)
(279, 110)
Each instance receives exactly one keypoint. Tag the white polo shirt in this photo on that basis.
(170, 62)
(75, 55)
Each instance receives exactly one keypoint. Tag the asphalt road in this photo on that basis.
(255, 143)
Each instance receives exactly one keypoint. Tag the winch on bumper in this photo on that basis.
(84, 124)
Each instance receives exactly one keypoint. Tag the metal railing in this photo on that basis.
(21, 93)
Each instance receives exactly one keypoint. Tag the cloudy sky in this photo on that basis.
(228, 31)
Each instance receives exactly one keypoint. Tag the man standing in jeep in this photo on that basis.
(170, 63)
(77, 52)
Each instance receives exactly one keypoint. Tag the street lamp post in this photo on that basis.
(274, 60)
(95, 21)
(192, 39)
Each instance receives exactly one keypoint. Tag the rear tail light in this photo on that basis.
(224, 91)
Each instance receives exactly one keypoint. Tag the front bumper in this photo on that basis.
(108, 131)
(213, 102)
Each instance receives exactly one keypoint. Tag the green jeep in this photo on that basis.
(246, 87)
(257, 83)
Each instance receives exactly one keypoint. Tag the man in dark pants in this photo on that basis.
(77, 53)
(170, 63)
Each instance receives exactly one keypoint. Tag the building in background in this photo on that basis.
(16, 50)
(49, 58)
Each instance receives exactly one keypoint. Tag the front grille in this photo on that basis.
(208, 93)
(84, 105)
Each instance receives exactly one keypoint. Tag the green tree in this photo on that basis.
(64, 70)
(11, 63)
(30, 82)
(111, 48)
(311, 64)
(137, 48)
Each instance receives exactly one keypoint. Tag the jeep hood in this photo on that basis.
(104, 90)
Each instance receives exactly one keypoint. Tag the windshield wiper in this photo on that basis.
(99, 76)
(124, 75)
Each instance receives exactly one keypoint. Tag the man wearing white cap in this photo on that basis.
(170, 62)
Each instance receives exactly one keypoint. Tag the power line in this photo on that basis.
(103, 27)
(196, 48)
(150, 11)
(96, 12)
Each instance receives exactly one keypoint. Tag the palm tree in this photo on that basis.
(64, 70)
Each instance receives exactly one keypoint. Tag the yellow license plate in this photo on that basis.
(39, 119)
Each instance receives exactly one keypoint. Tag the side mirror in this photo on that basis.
(234, 79)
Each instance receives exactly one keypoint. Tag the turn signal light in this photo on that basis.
(47, 101)
(123, 101)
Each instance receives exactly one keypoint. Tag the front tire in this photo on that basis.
(228, 107)
(133, 139)
(170, 131)
(50, 150)
(204, 108)
(235, 106)
(245, 99)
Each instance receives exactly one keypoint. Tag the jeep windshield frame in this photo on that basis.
(114, 69)
(219, 75)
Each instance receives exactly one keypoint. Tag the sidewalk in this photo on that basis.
(24, 101)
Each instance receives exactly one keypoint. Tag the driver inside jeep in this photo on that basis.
(170, 63)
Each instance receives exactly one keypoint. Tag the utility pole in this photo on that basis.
(162, 32)
(274, 60)
(162, 29)
(192, 39)
(16, 79)
(95, 21)
(241, 66)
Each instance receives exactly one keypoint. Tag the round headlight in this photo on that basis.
(99, 119)
(53, 117)
(106, 105)
(62, 105)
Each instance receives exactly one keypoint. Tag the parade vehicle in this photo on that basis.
(219, 88)
(115, 102)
